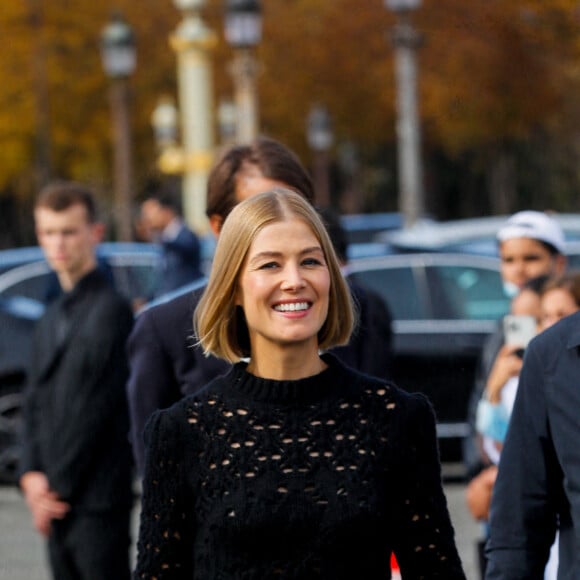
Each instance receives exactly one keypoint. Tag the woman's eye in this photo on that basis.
(312, 262)
(269, 266)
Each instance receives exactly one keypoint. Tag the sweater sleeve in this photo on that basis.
(425, 546)
(165, 545)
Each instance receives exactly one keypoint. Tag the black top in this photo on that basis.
(75, 413)
(316, 478)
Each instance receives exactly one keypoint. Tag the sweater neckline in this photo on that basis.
(308, 389)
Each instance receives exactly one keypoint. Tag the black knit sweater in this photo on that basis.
(317, 478)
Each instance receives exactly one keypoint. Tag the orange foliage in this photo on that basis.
(490, 70)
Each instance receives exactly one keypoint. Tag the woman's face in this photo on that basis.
(556, 303)
(284, 288)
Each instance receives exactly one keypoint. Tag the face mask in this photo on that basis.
(510, 289)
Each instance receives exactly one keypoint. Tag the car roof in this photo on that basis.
(471, 235)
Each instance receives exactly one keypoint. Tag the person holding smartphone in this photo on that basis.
(530, 244)
(519, 327)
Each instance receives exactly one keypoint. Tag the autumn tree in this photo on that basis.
(499, 85)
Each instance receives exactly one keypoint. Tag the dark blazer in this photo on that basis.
(538, 484)
(75, 415)
(165, 363)
(370, 349)
(180, 261)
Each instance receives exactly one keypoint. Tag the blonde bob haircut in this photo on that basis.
(219, 323)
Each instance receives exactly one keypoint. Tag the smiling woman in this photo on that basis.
(291, 465)
(278, 246)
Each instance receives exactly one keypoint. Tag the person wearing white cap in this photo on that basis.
(531, 244)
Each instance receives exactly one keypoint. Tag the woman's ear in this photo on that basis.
(215, 223)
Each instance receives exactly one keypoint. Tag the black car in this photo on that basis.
(443, 306)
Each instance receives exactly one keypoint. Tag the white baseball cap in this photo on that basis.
(535, 225)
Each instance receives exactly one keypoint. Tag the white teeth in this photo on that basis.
(291, 307)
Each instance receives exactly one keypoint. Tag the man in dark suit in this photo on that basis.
(165, 362)
(180, 247)
(75, 468)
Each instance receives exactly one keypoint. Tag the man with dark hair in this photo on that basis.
(164, 360)
(181, 252)
(75, 469)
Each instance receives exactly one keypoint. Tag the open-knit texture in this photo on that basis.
(322, 477)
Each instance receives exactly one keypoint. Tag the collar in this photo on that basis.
(93, 279)
(172, 229)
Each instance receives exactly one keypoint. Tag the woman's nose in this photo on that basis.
(293, 279)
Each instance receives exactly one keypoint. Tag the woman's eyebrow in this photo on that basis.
(273, 254)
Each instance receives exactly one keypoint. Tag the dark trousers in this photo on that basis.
(91, 546)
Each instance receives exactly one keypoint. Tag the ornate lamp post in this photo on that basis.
(164, 120)
(320, 139)
(406, 40)
(227, 122)
(192, 42)
(243, 31)
(119, 60)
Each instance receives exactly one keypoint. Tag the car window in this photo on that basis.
(133, 276)
(29, 281)
(574, 261)
(398, 288)
(466, 292)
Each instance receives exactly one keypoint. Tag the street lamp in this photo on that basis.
(192, 41)
(320, 139)
(406, 40)
(164, 120)
(119, 60)
(243, 31)
(227, 122)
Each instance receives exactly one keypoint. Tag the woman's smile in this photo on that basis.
(284, 286)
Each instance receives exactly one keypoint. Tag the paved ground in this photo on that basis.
(22, 552)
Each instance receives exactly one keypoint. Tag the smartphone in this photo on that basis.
(519, 330)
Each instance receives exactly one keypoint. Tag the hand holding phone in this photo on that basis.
(519, 330)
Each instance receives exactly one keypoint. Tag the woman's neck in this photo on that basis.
(287, 364)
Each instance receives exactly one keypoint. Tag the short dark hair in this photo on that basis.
(164, 195)
(336, 233)
(274, 160)
(60, 195)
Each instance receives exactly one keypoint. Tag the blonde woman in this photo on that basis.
(292, 465)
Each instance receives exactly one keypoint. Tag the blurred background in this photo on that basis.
(497, 100)
(423, 123)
